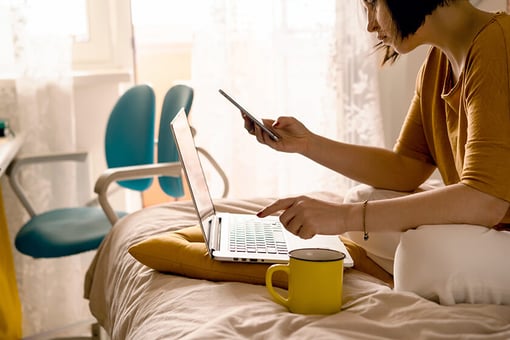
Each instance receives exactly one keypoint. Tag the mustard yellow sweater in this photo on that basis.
(463, 128)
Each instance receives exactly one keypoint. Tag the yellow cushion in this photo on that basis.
(184, 252)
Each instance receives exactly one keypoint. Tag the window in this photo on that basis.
(101, 30)
(165, 21)
(173, 21)
(72, 18)
(6, 46)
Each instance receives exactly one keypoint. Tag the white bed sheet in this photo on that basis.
(132, 301)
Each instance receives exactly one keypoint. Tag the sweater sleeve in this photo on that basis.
(487, 102)
(412, 141)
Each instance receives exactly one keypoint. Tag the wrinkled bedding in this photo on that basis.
(132, 301)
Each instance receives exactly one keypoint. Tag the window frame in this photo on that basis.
(109, 48)
(110, 44)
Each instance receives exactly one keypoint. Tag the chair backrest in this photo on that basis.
(178, 96)
(129, 138)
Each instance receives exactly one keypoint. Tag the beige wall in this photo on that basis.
(161, 67)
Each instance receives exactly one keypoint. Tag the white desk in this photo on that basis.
(9, 148)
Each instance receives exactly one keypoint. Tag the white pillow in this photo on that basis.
(453, 264)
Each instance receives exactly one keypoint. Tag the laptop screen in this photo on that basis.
(192, 168)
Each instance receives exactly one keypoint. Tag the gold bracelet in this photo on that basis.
(365, 233)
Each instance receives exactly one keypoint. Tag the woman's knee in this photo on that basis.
(453, 264)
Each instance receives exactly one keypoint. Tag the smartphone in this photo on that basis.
(273, 135)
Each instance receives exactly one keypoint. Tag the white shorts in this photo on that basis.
(444, 263)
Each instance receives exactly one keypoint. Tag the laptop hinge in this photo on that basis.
(215, 233)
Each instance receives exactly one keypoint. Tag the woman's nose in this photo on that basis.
(371, 22)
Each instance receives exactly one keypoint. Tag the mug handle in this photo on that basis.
(269, 282)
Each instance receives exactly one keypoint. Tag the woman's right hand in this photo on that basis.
(294, 136)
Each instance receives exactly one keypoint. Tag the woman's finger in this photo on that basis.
(276, 206)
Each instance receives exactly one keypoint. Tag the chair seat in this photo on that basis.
(63, 232)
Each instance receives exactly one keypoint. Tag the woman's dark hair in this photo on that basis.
(408, 16)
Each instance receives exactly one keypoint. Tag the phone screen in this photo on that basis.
(273, 135)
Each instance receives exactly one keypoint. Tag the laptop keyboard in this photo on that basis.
(258, 236)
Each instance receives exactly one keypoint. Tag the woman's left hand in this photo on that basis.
(305, 216)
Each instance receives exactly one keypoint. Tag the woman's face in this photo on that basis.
(380, 21)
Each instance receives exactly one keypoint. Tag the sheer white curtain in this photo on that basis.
(39, 103)
(308, 59)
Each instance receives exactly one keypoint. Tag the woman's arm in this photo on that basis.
(378, 167)
(453, 204)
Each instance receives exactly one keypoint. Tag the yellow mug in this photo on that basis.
(315, 281)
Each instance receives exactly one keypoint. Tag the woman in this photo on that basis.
(458, 122)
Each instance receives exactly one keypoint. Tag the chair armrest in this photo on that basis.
(14, 169)
(130, 172)
(75, 156)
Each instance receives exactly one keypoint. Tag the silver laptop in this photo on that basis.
(238, 237)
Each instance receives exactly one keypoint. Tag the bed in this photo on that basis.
(132, 301)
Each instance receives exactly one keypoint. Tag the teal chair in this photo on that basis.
(129, 141)
(179, 96)
(168, 167)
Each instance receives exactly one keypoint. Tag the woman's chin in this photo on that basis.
(403, 47)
